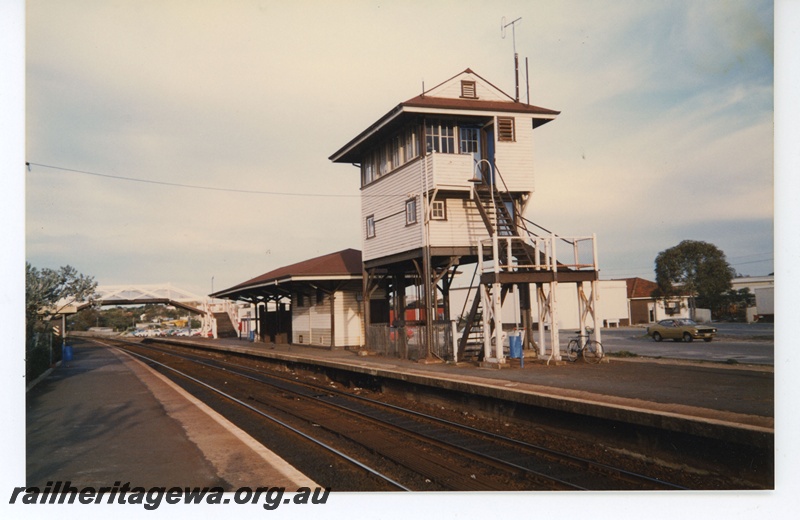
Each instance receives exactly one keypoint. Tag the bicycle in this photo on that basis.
(592, 351)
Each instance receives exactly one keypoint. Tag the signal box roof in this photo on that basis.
(446, 99)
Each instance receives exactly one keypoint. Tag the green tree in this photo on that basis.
(118, 318)
(84, 319)
(49, 291)
(697, 269)
(736, 303)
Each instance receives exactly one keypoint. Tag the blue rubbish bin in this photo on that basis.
(515, 347)
(66, 353)
(252, 335)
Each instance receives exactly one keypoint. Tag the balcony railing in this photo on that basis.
(515, 253)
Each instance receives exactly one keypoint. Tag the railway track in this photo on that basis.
(395, 447)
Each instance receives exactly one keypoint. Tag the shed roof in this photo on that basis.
(342, 265)
(640, 288)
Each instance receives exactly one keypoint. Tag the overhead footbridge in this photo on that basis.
(164, 294)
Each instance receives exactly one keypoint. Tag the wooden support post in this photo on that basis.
(400, 315)
(554, 340)
(488, 309)
(429, 296)
(332, 298)
(544, 304)
(366, 281)
(594, 297)
(524, 290)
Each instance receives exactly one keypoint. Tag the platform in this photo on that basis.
(105, 417)
(728, 402)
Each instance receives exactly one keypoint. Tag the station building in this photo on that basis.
(314, 302)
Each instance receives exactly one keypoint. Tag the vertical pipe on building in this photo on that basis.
(527, 84)
(426, 260)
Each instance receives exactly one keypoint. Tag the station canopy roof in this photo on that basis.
(326, 272)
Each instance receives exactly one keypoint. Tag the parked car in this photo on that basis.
(681, 329)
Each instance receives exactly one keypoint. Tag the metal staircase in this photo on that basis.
(225, 327)
(470, 346)
(493, 207)
(511, 255)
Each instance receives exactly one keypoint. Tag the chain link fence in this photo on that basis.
(409, 341)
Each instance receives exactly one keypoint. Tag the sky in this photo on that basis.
(187, 142)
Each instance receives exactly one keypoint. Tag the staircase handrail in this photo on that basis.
(207, 325)
(233, 313)
(516, 224)
(507, 192)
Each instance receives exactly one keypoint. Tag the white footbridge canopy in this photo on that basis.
(154, 293)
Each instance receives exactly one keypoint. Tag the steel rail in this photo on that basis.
(273, 419)
(459, 448)
(590, 465)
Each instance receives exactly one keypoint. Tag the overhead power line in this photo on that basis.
(192, 186)
(753, 261)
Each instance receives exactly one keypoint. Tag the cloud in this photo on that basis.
(257, 95)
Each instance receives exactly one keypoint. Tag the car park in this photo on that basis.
(681, 329)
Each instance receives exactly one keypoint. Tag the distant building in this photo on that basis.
(645, 308)
(612, 305)
(763, 287)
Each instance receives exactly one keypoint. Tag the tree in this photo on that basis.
(84, 319)
(49, 291)
(697, 269)
(736, 303)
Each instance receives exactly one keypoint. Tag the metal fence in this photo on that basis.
(409, 341)
(39, 354)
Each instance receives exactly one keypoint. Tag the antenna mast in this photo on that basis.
(503, 26)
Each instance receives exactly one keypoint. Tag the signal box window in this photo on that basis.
(371, 226)
(411, 211)
(438, 210)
